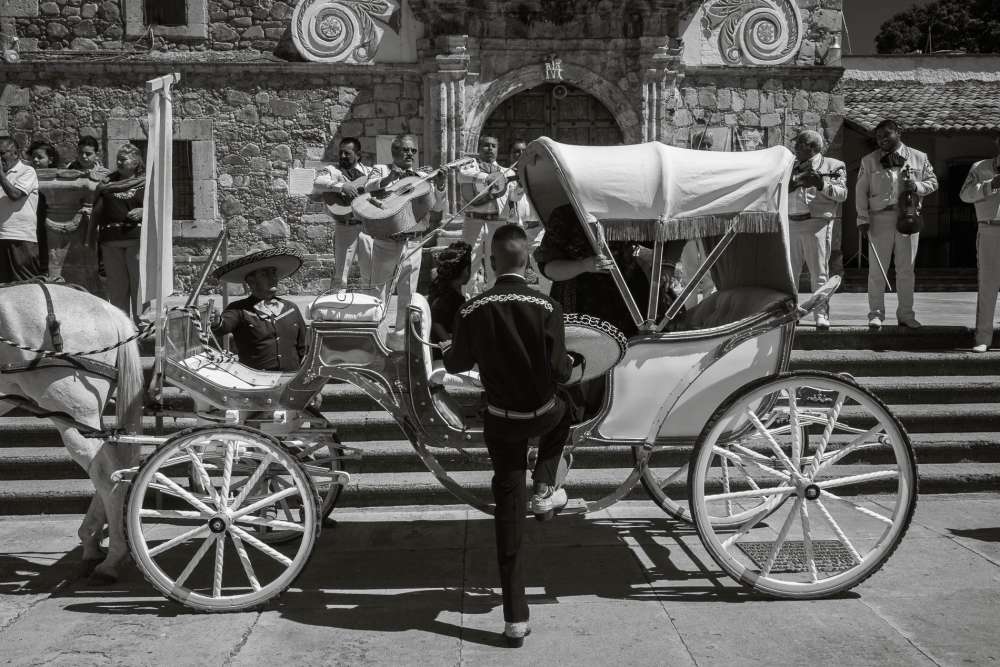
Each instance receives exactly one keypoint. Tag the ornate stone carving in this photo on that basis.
(342, 31)
(553, 68)
(755, 32)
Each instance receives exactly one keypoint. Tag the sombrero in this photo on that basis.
(596, 346)
(282, 258)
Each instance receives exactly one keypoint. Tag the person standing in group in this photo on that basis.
(402, 250)
(887, 172)
(18, 215)
(340, 184)
(43, 155)
(484, 188)
(522, 213)
(817, 189)
(117, 221)
(982, 188)
(88, 156)
(518, 339)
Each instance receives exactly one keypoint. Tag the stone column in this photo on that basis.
(659, 91)
(445, 121)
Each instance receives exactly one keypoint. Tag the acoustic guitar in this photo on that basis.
(401, 205)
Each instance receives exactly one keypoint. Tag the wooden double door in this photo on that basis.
(558, 111)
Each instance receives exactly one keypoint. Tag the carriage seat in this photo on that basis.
(436, 373)
(233, 374)
(347, 306)
(728, 306)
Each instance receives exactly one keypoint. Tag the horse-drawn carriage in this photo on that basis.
(799, 484)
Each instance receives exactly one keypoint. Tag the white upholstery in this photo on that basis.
(347, 306)
(436, 374)
(232, 374)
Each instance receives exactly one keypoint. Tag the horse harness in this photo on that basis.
(60, 359)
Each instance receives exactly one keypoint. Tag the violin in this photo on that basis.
(910, 219)
(401, 205)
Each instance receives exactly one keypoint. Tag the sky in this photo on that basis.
(865, 17)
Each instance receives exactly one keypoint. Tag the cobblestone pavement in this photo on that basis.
(412, 586)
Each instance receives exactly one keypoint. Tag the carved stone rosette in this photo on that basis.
(755, 32)
(341, 31)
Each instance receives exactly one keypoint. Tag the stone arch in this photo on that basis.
(530, 76)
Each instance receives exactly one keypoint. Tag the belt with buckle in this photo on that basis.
(515, 414)
(483, 216)
(799, 217)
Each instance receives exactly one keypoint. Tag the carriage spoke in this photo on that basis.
(284, 503)
(824, 440)
(260, 546)
(796, 433)
(252, 482)
(748, 525)
(193, 563)
(752, 493)
(203, 477)
(837, 530)
(780, 541)
(183, 493)
(274, 524)
(807, 542)
(851, 447)
(784, 476)
(859, 508)
(725, 485)
(241, 551)
(227, 473)
(194, 533)
(264, 502)
(173, 514)
(857, 479)
(775, 447)
(220, 553)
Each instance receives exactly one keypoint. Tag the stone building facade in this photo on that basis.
(266, 84)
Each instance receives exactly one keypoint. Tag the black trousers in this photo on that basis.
(507, 441)
(18, 261)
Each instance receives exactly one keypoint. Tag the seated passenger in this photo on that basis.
(452, 268)
(269, 332)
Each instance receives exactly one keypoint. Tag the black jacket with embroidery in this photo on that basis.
(518, 338)
(265, 343)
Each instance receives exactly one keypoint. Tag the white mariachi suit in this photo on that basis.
(978, 189)
(876, 196)
(812, 214)
(401, 250)
(349, 240)
(491, 214)
(521, 212)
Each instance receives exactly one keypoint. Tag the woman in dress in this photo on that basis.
(117, 217)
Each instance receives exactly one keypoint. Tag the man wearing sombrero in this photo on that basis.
(269, 332)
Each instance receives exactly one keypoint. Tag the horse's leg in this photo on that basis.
(92, 529)
(100, 460)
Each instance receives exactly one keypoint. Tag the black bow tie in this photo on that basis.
(892, 160)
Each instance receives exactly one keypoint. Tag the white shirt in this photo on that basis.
(332, 179)
(380, 171)
(479, 180)
(19, 219)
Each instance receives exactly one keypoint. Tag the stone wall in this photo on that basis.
(263, 119)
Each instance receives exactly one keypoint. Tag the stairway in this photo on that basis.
(948, 400)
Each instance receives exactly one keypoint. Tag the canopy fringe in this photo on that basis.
(751, 222)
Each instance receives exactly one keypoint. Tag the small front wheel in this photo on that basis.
(196, 509)
(825, 481)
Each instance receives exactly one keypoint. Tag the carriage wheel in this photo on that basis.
(829, 468)
(197, 543)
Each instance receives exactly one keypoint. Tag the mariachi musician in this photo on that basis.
(817, 188)
(484, 188)
(402, 249)
(340, 184)
(892, 170)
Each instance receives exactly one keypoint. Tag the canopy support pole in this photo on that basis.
(655, 275)
(692, 285)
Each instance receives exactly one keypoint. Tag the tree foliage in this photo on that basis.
(972, 26)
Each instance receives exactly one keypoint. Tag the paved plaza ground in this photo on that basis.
(624, 586)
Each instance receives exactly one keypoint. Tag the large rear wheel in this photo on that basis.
(825, 482)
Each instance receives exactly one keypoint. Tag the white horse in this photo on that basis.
(87, 323)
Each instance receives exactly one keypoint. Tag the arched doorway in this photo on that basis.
(560, 111)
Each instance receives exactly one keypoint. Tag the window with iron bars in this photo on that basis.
(165, 12)
(182, 178)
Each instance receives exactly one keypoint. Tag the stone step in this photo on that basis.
(862, 363)
(71, 496)
(890, 337)
(398, 456)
